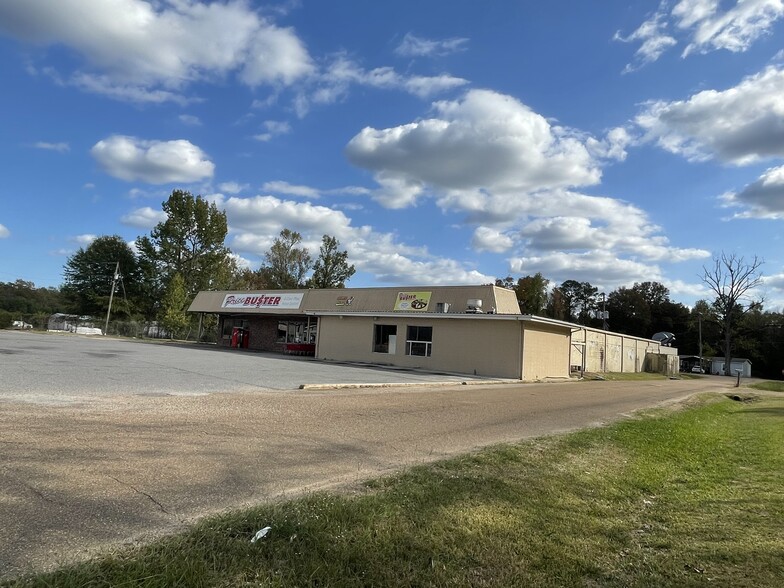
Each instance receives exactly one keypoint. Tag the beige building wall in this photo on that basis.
(545, 352)
(605, 351)
(481, 347)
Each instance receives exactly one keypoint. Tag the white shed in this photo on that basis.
(736, 363)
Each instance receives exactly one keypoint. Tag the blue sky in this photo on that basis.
(442, 142)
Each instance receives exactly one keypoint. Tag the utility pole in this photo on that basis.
(111, 296)
(604, 312)
(699, 320)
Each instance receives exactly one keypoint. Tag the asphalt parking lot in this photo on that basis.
(58, 368)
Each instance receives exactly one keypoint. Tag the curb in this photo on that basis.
(403, 384)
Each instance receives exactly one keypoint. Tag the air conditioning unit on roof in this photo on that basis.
(474, 305)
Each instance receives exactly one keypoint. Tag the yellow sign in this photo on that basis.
(412, 301)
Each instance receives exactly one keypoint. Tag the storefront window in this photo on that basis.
(296, 332)
(419, 341)
(385, 339)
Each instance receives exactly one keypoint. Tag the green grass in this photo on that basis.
(687, 497)
(770, 386)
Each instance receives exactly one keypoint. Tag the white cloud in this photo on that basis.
(705, 26)
(509, 171)
(413, 46)
(763, 198)
(621, 228)
(427, 86)
(484, 141)
(190, 120)
(654, 41)
(692, 290)
(59, 147)
(613, 146)
(273, 128)
(84, 240)
(740, 125)
(349, 190)
(280, 187)
(232, 187)
(143, 218)
(600, 268)
(154, 162)
(772, 291)
(137, 93)
(145, 47)
(4, 232)
(487, 239)
(334, 82)
(277, 56)
(255, 222)
(734, 29)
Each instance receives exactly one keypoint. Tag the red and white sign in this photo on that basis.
(265, 300)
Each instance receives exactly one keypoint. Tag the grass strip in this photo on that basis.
(687, 497)
(769, 386)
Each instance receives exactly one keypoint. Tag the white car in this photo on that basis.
(697, 370)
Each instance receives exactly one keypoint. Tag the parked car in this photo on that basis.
(697, 370)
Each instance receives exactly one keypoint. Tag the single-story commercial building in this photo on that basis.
(462, 329)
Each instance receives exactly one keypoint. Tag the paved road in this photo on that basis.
(100, 469)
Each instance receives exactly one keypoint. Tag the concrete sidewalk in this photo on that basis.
(77, 478)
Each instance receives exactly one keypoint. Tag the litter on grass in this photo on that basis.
(260, 534)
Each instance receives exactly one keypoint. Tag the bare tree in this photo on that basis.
(731, 278)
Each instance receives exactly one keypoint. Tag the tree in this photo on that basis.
(247, 279)
(89, 274)
(287, 264)
(557, 306)
(665, 315)
(331, 269)
(174, 317)
(731, 279)
(629, 312)
(508, 283)
(581, 300)
(654, 293)
(190, 242)
(532, 293)
(23, 298)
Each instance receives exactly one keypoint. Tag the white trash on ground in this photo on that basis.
(261, 533)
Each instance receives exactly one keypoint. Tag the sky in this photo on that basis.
(441, 142)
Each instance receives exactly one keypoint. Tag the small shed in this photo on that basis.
(717, 367)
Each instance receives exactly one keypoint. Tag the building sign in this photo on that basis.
(412, 301)
(344, 300)
(271, 300)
